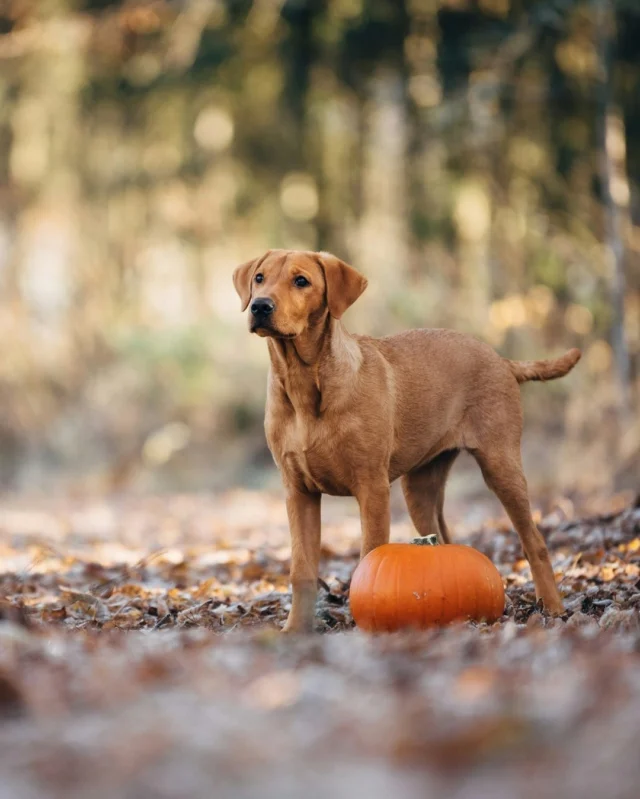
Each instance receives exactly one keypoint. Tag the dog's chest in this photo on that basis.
(311, 454)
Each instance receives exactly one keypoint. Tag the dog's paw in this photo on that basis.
(555, 608)
(293, 628)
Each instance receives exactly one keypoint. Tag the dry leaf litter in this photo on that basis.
(140, 656)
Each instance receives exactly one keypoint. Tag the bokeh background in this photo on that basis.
(478, 160)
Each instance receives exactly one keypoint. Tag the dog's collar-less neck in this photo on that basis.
(309, 348)
(299, 362)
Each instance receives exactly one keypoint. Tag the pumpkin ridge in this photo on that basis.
(385, 577)
(500, 593)
(487, 581)
(457, 578)
(476, 598)
(424, 607)
(489, 584)
(374, 606)
(493, 593)
(396, 619)
(443, 597)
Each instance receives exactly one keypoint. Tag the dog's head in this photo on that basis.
(287, 290)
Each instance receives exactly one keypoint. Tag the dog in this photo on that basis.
(346, 415)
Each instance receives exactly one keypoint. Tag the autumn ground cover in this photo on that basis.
(140, 656)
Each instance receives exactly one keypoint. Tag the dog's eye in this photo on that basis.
(259, 278)
(301, 282)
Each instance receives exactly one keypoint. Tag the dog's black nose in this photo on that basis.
(262, 307)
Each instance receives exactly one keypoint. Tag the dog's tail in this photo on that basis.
(544, 370)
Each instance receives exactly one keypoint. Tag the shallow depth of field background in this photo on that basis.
(478, 160)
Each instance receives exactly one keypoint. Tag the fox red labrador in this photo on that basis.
(347, 415)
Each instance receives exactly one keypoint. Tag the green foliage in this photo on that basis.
(180, 361)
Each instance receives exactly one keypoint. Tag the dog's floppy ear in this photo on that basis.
(242, 277)
(344, 283)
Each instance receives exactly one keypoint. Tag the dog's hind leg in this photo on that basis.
(502, 471)
(424, 492)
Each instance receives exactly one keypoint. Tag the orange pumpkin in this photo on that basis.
(423, 585)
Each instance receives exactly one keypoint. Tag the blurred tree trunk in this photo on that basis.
(425, 163)
(612, 188)
(43, 277)
(382, 248)
(304, 144)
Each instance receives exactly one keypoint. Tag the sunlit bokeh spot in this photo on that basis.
(214, 129)
(526, 154)
(143, 69)
(579, 319)
(540, 301)
(508, 312)
(577, 58)
(425, 90)
(164, 443)
(599, 357)
(472, 211)
(299, 196)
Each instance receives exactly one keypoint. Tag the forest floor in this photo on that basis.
(140, 656)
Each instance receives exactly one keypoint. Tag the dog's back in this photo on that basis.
(453, 391)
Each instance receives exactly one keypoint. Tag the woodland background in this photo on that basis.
(479, 160)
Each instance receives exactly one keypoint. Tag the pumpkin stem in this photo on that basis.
(426, 540)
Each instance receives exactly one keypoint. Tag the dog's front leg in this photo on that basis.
(375, 515)
(303, 510)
